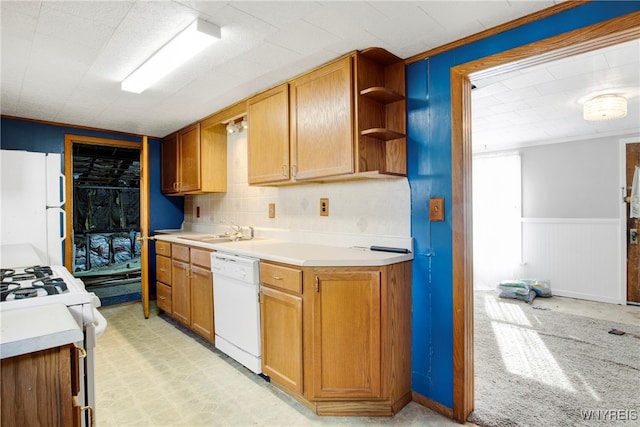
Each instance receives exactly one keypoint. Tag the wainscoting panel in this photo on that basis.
(581, 257)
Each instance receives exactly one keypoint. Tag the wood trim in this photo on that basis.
(144, 225)
(463, 396)
(48, 122)
(597, 36)
(614, 31)
(69, 140)
(433, 405)
(570, 4)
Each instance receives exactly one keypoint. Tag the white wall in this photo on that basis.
(372, 207)
(570, 218)
(576, 179)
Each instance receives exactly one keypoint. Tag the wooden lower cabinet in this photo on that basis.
(355, 324)
(187, 295)
(39, 388)
(345, 334)
(281, 322)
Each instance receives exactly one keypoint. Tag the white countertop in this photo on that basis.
(30, 329)
(294, 253)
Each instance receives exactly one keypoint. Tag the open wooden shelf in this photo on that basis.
(383, 134)
(381, 94)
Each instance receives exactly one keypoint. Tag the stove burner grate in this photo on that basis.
(6, 272)
(7, 289)
(53, 285)
(39, 271)
(25, 293)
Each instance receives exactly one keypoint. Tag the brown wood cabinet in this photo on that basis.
(345, 334)
(192, 289)
(356, 336)
(163, 276)
(281, 325)
(347, 120)
(41, 388)
(185, 286)
(194, 161)
(268, 136)
(322, 122)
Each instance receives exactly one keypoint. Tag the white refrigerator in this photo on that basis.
(31, 207)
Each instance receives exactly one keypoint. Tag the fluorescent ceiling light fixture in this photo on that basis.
(192, 40)
(605, 107)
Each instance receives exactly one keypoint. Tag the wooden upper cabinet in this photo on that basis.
(169, 154)
(347, 120)
(190, 158)
(322, 122)
(268, 136)
(194, 160)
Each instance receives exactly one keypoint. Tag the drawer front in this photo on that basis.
(163, 269)
(286, 278)
(163, 248)
(201, 257)
(180, 252)
(164, 297)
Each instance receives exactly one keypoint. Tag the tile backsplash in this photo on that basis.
(372, 207)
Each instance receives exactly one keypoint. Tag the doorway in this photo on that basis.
(631, 221)
(577, 41)
(103, 217)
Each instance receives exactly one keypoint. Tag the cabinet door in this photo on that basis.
(322, 135)
(190, 159)
(281, 336)
(268, 136)
(346, 323)
(180, 292)
(169, 154)
(202, 302)
(36, 388)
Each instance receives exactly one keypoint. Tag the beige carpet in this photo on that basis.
(540, 366)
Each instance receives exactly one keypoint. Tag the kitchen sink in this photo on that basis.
(214, 238)
(209, 238)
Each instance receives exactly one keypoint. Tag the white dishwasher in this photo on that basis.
(236, 309)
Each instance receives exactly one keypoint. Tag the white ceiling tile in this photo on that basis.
(286, 14)
(302, 37)
(109, 13)
(63, 61)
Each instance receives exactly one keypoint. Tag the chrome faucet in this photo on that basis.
(238, 235)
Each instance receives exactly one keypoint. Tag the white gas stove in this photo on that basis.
(42, 285)
(38, 285)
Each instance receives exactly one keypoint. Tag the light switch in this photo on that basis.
(436, 209)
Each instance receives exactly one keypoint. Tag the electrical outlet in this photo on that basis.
(272, 210)
(324, 207)
(633, 236)
(436, 209)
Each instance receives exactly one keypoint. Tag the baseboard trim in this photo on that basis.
(434, 406)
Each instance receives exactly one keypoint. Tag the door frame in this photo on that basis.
(142, 147)
(623, 215)
(603, 34)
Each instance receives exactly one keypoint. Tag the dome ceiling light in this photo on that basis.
(605, 107)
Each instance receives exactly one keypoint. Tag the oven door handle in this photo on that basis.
(100, 322)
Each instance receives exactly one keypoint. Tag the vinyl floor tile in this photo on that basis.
(153, 372)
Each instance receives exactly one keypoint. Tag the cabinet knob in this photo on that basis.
(277, 278)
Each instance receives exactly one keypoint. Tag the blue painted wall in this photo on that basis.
(166, 212)
(429, 169)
